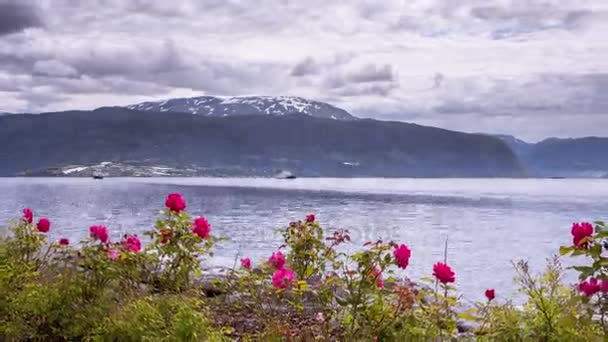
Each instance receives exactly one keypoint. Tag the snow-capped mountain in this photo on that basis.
(246, 105)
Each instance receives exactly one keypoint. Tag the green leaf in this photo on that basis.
(585, 271)
(602, 262)
(427, 279)
(583, 268)
(468, 317)
(563, 250)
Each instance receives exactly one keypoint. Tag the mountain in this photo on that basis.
(248, 145)
(580, 157)
(518, 146)
(246, 105)
(574, 157)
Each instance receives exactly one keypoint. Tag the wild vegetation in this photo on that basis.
(308, 289)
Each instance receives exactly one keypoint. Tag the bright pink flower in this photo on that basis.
(44, 225)
(490, 294)
(402, 256)
(589, 287)
(175, 202)
(64, 241)
(310, 218)
(579, 232)
(132, 243)
(201, 227)
(604, 286)
(99, 233)
(443, 273)
(282, 278)
(113, 254)
(28, 215)
(246, 263)
(377, 275)
(277, 260)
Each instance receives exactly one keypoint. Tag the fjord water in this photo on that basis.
(487, 222)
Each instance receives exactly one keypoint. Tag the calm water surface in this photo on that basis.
(487, 222)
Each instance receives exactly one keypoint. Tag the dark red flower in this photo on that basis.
(277, 260)
(175, 203)
(490, 294)
(310, 218)
(443, 273)
(589, 287)
(64, 241)
(579, 232)
(44, 225)
(28, 215)
(402, 256)
(201, 227)
(99, 233)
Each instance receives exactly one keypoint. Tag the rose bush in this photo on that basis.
(131, 289)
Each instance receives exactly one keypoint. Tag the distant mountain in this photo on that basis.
(252, 145)
(574, 157)
(246, 105)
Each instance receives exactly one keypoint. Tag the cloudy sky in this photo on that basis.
(533, 68)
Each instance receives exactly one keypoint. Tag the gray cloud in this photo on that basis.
(372, 73)
(378, 89)
(516, 21)
(17, 15)
(448, 63)
(53, 68)
(497, 20)
(369, 79)
(308, 66)
(542, 95)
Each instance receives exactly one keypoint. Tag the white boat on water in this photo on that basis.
(285, 175)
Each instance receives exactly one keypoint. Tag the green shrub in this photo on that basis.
(159, 318)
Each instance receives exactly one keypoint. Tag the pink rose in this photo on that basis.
(113, 254)
(201, 227)
(443, 273)
(132, 243)
(28, 215)
(246, 263)
(402, 256)
(99, 233)
(310, 218)
(589, 287)
(44, 225)
(175, 203)
(277, 260)
(581, 231)
(282, 278)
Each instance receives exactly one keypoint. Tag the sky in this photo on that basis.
(531, 68)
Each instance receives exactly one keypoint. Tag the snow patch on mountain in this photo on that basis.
(245, 105)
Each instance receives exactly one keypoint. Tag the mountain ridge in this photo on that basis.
(248, 145)
(563, 157)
